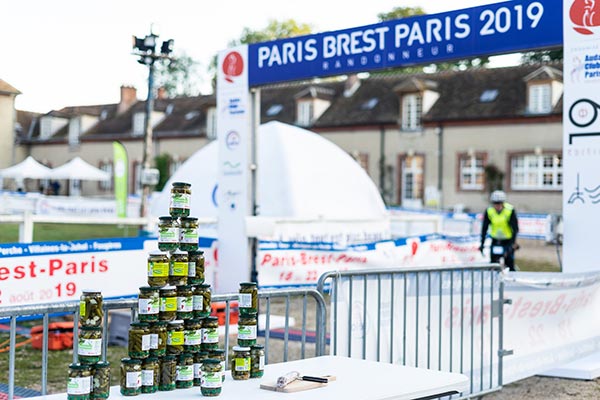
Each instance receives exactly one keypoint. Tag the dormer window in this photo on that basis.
(540, 98)
(305, 112)
(74, 132)
(274, 110)
(138, 123)
(411, 112)
(211, 123)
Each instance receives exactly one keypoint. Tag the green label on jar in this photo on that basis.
(185, 304)
(168, 304)
(193, 337)
(198, 303)
(79, 385)
(242, 364)
(246, 331)
(191, 269)
(158, 269)
(211, 380)
(175, 339)
(210, 335)
(179, 269)
(185, 372)
(89, 347)
(180, 200)
(189, 236)
(168, 235)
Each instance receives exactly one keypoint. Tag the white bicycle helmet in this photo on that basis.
(498, 196)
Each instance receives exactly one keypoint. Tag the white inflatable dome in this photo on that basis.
(300, 175)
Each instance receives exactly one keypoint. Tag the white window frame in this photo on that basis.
(305, 112)
(412, 176)
(529, 171)
(211, 123)
(412, 108)
(107, 185)
(540, 98)
(74, 131)
(471, 167)
(139, 119)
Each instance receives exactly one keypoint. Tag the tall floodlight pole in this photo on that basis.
(145, 49)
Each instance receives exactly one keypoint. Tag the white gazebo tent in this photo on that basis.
(26, 169)
(78, 170)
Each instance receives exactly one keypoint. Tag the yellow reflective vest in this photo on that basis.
(500, 222)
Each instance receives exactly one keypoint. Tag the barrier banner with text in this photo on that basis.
(49, 272)
(448, 321)
(295, 263)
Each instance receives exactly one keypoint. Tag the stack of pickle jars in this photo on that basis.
(174, 343)
(89, 378)
(248, 358)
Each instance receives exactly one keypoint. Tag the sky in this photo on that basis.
(78, 52)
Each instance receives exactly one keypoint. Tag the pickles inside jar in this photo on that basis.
(101, 380)
(90, 308)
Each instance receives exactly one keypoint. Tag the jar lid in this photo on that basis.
(217, 351)
(79, 367)
(179, 252)
(248, 284)
(240, 348)
(184, 287)
(91, 328)
(138, 324)
(101, 364)
(131, 361)
(157, 253)
(150, 359)
(192, 321)
(90, 291)
(168, 357)
(204, 285)
(148, 289)
(176, 322)
(211, 361)
(165, 218)
(195, 252)
(211, 318)
(181, 184)
(159, 323)
(249, 314)
(185, 355)
(188, 219)
(257, 347)
(165, 288)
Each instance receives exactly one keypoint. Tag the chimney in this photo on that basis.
(128, 98)
(161, 93)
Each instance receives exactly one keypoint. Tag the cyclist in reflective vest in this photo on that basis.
(501, 219)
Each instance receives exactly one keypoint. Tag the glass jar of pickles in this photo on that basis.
(148, 304)
(158, 269)
(248, 298)
(79, 384)
(139, 340)
(181, 196)
(202, 300)
(247, 327)
(196, 263)
(168, 303)
(185, 302)
(90, 308)
(168, 233)
(185, 371)
(131, 377)
(168, 372)
(150, 374)
(175, 338)
(199, 357)
(192, 335)
(188, 233)
(257, 359)
(158, 338)
(210, 333)
(240, 363)
(212, 382)
(178, 268)
(89, 344)
(101, 381)
(218, 354)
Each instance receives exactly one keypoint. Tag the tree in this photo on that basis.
(535, 57)
(162, 162)
(179, 77)
(404, 12)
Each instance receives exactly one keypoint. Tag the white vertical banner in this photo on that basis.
(581, 140)
(233, 129)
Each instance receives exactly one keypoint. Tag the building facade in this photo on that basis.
(440, 140)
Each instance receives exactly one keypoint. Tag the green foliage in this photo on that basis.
(543, 56)
(179, 77)
(494, 178)
(400, 12)
(162, 164)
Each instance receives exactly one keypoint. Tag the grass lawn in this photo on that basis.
(9, 233)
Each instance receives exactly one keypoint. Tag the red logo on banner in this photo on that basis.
(233, 65)
(584, 14)
(414, 247)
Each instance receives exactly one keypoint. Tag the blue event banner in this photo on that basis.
(500, 28)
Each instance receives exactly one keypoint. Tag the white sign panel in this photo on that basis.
(581, 140)
(233, 131)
